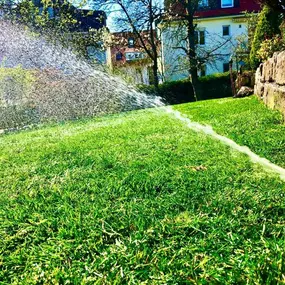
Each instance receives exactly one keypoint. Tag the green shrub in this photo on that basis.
(15, 90)
(174, 92)
(15, 84)
(270, 46)
(267, 26)
(177, 92)
(18, 116)
(209, 87)
(282, 29)
(215, 86)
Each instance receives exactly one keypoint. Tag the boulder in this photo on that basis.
(270, 82)
(268, 70)
(244, 92)
(260, 74)
(246, 78)
(280, 69)
(274, 96)
(259, 89)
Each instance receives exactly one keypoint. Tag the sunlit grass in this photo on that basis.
(246, 121)
(139, 198)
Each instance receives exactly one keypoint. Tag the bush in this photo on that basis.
(282, 29)
(215, 86)
(15, 85)
(15, 90)
(174, 92)
(209, 87)
(267, 27)
(269, 47)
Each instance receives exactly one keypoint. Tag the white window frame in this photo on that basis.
(227, 6)
(226, 63)
(199, 30)
(229, 26)
(131, 42)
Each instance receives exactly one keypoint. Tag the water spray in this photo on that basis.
(208, 130)
(42, 81)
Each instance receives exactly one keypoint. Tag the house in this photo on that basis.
(125, 54)
(87, 20)
(222, 27)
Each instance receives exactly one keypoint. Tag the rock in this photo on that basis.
(268, 70)
(280, 68)
(247, 78)
(259, 89)
(270, 82)
(244, 92)
(274, 96)
(261, 73)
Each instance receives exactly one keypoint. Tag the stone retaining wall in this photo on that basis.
(270, 82)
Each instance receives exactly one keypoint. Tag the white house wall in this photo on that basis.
(174, 61)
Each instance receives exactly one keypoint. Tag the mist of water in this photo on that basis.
(40, 81)
(208, 130)
(53, 83)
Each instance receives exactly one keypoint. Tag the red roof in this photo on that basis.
(244, 5)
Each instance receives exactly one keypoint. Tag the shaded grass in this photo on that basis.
(136, 199)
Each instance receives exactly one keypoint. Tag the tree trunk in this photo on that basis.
(194, 81)
(193, 71)
(153, 46)
(155, 73)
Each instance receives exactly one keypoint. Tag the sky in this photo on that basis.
(111, 11)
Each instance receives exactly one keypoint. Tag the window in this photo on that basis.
(226, 67)
(131, 42)
(200, 37)
(226, 30)
(203, 3)
(91, 51)
(119, 56)
(227, 3)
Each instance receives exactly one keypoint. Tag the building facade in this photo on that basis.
(86, 21)
(221, 28)
(125, 55)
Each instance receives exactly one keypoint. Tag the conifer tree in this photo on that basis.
(268, 26)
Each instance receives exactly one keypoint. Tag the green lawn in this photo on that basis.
(139, 198)
(246, 121)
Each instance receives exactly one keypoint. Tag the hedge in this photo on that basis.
(209, 87)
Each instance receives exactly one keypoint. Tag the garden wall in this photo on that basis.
(270, 82)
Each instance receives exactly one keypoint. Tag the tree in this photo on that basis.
(267, 26)
(57, 20)
(276, 5)
(183, 13)
(140, 17)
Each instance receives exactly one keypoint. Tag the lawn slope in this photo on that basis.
(138, 198)
(246, 121)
